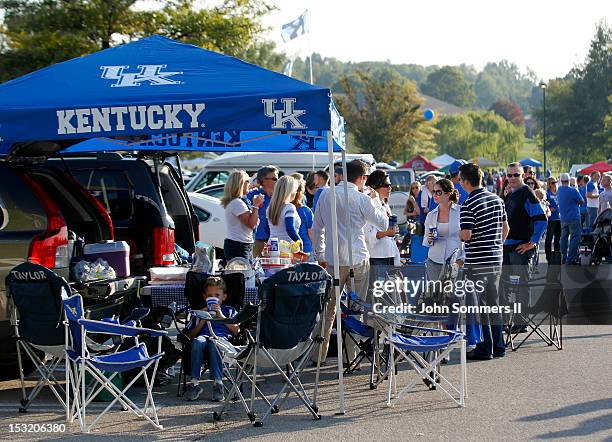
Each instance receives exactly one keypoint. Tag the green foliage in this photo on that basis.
(383, 115)
(38, 33)
(449, 84)
(504, 80)
(477, 134)
(578, 107)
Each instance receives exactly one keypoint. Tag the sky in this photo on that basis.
(550, 37)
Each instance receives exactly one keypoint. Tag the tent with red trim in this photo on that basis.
(420, 164)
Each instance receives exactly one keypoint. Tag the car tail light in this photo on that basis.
(49, 249)
(163, 246)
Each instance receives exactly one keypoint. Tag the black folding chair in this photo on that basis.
(194, 282)
(548, 310)
(292, 303)
(35, 297)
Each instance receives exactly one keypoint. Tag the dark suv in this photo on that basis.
(138, 200)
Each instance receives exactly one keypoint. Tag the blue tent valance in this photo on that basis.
(159, 86)
(226, 141)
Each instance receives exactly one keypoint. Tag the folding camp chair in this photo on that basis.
(35, 296)
(194, 281)
(419, 339)
(292, 303)
(549, 308)
(104, 368)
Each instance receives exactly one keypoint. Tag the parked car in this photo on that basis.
(211, 216)
(98, 198)
(214, 190)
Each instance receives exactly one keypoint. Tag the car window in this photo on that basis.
(202, 214)
(400, 181)
(112, 188)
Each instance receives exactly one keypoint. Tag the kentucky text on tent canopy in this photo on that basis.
(160, 86)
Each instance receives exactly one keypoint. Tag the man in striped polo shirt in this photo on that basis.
(484, 228)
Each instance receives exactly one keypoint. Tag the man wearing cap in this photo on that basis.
(267, 177)
(454, 176)
(527, 223)
(569, 201)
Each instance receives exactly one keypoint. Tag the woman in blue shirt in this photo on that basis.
(306, 216)
(553, 230)
(282, 215)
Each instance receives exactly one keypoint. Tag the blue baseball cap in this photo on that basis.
(454, 167)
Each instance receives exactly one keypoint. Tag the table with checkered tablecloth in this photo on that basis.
(164, 295)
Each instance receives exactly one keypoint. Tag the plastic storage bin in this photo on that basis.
(116, 253)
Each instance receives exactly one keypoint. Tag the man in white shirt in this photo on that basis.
(359, 210)
(605, 197)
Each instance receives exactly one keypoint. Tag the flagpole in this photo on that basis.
(310, 43)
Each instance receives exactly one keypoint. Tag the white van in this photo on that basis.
(216, 171)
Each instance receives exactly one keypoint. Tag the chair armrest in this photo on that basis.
(116, 329)
(245, 314)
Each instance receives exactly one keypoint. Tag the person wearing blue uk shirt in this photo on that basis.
(569, 201)
(454, 177)
(553, 231)
(266, 178)
(584, 214)
(527, 222)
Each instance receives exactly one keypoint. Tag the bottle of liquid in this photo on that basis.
(274, 251)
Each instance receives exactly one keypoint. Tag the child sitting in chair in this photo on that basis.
(214, 287)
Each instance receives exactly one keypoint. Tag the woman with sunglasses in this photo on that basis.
(381, 244)
(553, 229)
(532, 183)
(445, 220)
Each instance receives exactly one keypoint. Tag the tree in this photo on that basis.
(448, 84)
(509, 111)
(504, 80)
(384, 116)
(38, 33)
(578, 105)
(477, 134)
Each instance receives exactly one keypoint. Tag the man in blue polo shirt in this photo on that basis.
(454, 176)
(569, 201)
(266, 178)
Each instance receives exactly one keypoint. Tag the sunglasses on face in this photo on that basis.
(438, 192)
(515, 175)
(271, 179)
(530, 183)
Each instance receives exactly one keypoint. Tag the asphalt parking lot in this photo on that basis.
(535, 393)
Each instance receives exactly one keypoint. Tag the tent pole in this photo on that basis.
(330, 150)
(349, 228)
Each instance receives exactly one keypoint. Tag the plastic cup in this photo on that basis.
(515, 279)
(211, 302)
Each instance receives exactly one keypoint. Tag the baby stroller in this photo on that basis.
(596, 247)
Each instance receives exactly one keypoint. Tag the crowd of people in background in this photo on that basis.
(489, 218)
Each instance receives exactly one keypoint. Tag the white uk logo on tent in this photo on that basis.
(148, 73)
(288, 114)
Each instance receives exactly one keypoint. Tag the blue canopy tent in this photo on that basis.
(145, 91)
(530, 162)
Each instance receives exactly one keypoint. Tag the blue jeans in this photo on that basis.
(199, 346)
(592, 211)
(570, 230)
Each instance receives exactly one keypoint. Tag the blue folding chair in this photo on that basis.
(104, 368)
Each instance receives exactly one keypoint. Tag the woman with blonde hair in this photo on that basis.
(241, 217)
(306, 216)
(283, 218)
